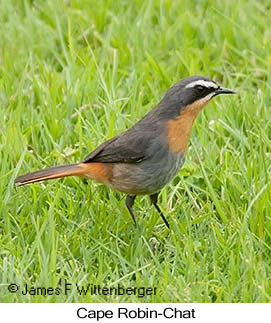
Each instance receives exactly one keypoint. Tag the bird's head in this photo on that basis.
(181, 105)
(194, 90)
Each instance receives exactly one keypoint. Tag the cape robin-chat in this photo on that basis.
(144, 158)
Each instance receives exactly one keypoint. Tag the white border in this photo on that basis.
(209, 313)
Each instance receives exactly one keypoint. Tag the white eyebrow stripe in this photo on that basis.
(207, 84)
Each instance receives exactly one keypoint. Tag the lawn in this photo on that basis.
(75, 73)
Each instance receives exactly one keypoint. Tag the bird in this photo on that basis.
(147, 156)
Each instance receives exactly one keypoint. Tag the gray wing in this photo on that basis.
(129, 147)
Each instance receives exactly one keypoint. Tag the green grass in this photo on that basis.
(75, 73)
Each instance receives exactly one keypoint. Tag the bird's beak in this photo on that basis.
(222, 90)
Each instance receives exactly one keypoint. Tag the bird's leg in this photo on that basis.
(154, 198)
(129, 202)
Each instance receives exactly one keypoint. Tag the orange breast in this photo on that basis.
(179, 129)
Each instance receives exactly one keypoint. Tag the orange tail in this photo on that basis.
(50, 173)
(97, 171)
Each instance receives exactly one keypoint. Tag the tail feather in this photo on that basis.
(50, 173)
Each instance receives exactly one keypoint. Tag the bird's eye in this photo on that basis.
(200, 87)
